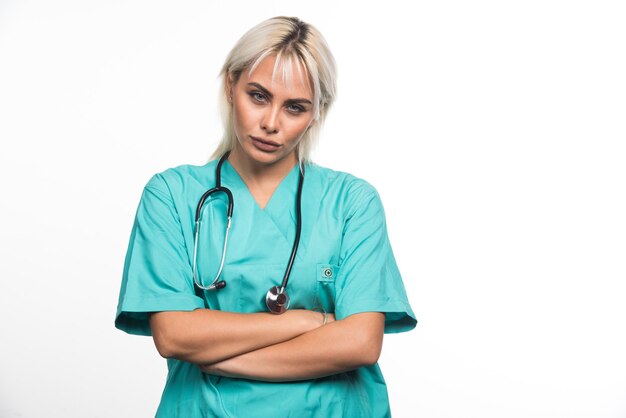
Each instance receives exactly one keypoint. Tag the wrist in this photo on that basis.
(322, 317)
(302, 320)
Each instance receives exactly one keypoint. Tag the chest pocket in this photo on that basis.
(326, 274)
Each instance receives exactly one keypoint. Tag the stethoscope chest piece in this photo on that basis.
(277, 300)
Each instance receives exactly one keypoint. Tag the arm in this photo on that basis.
(353, 342)
(209, 336)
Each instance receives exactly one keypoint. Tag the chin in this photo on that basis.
(266, 158)
(261, 157)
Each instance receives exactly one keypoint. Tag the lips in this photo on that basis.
(265, 141)
(264, 144)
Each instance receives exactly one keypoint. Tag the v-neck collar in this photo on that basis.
(280, 211)
(287, 187)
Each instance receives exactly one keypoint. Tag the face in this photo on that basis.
(270, 116)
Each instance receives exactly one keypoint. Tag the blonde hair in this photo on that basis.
(292, 41)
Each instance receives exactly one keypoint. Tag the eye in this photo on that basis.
(295, 109)
(257, 96)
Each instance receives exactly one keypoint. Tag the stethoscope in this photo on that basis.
(276, 299)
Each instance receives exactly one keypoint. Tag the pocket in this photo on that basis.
(326, 274)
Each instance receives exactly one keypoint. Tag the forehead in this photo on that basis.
(283, 75)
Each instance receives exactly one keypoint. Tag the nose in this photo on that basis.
(270, 122)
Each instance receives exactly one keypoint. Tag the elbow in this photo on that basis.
(166, 339)
(165, 344)
(173, 336)
(370, 359)
(165, 351)
(371, 347)
(371, 355)
(366, 338)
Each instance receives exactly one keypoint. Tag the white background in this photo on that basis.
(494, 132)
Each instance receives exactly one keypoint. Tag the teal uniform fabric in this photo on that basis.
(344, 264)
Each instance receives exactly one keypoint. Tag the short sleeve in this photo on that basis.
(368, 279)
(157, 272)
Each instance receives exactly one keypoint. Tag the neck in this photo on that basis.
(255, 172)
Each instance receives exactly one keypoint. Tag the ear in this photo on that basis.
(228, 86)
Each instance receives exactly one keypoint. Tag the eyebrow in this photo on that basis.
(271, 96)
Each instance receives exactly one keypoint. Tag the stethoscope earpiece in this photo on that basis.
(220, 285)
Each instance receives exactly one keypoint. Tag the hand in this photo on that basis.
(207, 368)
(224, 368)
(310, 319)
(213, 369)
(330, 317)
(320, 316)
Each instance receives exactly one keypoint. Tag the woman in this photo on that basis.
(204, 298)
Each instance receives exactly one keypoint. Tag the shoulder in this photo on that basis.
(174, 181)
(344, 188)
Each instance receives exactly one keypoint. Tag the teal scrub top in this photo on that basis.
(344, 264)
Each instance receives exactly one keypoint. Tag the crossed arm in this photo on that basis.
(263, 346)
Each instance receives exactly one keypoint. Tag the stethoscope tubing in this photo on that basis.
(296, 241)
(219, 189)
